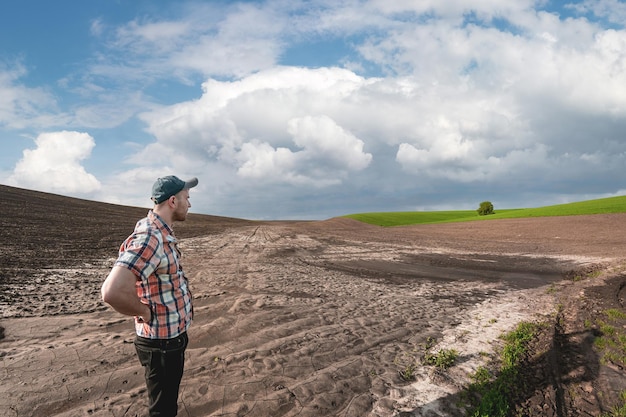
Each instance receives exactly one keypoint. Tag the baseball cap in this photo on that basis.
(166, 187)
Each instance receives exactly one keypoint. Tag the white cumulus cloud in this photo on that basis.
(326, 154)
(271, 127)
(55, 164)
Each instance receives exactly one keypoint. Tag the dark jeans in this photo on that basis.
(163, 361)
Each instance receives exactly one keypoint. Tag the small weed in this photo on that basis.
(492, 321)
(408, 374)
(607, 329)
(430, 342)
(602, 343)
(481, 376)
(615, 314)
(611, 357)
(592, 274)
(612, 341)
(618, 410)
(444, 359)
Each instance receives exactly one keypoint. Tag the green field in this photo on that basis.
(599, 206)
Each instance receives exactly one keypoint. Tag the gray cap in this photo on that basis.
(166, 187)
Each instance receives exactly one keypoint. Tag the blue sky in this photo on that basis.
(294, 109)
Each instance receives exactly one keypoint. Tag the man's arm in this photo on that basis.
(118, 290)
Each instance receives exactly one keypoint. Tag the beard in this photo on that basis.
(179, 215)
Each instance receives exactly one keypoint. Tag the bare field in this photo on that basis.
(306, 318)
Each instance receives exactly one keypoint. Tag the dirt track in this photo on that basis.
(311, 318)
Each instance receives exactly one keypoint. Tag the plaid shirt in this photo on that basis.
(152, 254)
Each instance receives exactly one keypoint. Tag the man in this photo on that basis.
(147, 281)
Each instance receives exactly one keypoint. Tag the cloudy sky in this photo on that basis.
(288, 109)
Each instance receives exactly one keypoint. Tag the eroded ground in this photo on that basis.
(317, 318)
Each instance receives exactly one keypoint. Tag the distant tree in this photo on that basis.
(485, 208)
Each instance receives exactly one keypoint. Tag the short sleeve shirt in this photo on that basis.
(151, 253)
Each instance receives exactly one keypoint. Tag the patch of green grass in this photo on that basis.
(516, 343)
(481, 376)
(607, 329)
(604, 343)
(598, 206)
(611, 356)
(551, 289)
(612, 341)
(592, 274)
(443, 359)
(618, 410)
(413, 217)
(615, 314)
(489, 396)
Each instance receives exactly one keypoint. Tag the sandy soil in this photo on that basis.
(306, 318)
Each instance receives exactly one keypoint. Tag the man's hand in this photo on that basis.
(118, 290)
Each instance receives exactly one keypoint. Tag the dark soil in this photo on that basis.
(42, 230)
